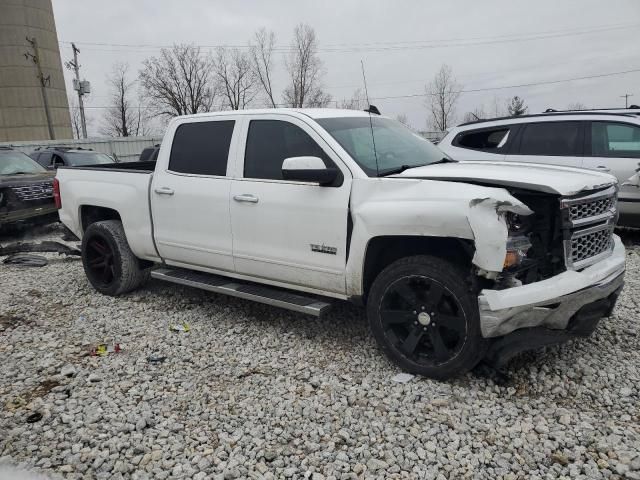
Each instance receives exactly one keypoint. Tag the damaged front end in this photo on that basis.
(566, 273)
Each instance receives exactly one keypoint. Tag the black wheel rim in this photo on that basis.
(100, 262)
(423, 320)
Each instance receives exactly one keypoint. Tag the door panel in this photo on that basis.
(190, 195)
(191, 220)
(293, 232)
(280, 233)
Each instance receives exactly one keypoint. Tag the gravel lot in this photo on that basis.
(257, 392)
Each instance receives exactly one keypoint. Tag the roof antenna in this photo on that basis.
(370, 110)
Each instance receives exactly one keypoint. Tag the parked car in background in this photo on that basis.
(54, 157)
(604, 141)
(454, 261)
(26, 189)
(149, 154)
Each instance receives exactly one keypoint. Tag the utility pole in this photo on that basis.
(626, 99)
(79, 87)
(44, 82)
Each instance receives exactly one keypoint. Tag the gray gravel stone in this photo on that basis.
(257, 392)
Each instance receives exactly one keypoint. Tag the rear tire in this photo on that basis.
(109, 263)
(425, 317)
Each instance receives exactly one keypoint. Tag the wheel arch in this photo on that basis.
(383, 250)
(91, 214)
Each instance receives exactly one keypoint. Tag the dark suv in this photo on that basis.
(26, 189)
(54, 157)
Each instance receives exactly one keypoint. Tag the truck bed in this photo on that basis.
(131, 167)
(120, 188)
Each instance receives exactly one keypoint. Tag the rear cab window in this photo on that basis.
(202, 148)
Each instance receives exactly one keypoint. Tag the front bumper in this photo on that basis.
(553, 302)
(17, 215)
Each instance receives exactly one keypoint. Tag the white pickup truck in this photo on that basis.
(454, 261)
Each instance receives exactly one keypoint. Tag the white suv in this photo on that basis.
(607, 141)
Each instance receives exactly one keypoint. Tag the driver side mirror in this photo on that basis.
(308, 169)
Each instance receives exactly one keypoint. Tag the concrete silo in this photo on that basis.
(22, 106)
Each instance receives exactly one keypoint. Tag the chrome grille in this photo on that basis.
(34, 191)
(591, 244)
(588, 227)
(591, 209)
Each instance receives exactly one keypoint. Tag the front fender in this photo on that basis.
(414, 207)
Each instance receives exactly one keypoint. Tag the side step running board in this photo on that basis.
(277, 297)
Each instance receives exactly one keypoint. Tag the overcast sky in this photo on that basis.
(402, 43)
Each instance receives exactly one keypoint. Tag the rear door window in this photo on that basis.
(552, 139)
(488, 140)
(612, 139)
(202, 148)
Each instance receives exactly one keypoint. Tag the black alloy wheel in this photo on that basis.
(424, 315)
(423, 320)
(100, 262)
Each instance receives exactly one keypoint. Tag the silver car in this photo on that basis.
(608, 141)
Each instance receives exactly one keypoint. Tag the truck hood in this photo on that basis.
(531, 176)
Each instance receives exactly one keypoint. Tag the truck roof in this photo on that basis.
(310, 112)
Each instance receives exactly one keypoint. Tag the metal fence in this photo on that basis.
(123, 149)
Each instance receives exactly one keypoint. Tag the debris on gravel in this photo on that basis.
(251, 391)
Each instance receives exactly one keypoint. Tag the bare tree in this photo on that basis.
(261, 52)
(235, 77)
(498, 108)
(517, 107)
(477, 113)
(305, 71)
(577, 106)
(125, 116)
(403, 119)
(443, 93)
(76, 122)
(358, 101)
(179, 81)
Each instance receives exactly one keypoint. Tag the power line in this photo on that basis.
(504, 87)
(474, 90)
(383, 46)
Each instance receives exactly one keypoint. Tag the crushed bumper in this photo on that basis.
(551, 304)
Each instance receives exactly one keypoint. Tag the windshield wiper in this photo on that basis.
(444, 160)
(402, 168)
(19, 173)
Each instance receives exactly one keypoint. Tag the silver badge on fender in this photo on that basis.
(323, 249)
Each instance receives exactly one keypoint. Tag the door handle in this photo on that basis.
(164, 191)
(246, 198)
(603, 168)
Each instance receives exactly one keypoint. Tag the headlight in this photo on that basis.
(515, 222)
(517, 247)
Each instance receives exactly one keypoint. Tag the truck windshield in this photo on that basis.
(79, 159)
(396, 146)
(14, 163)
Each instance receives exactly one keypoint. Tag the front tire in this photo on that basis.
(425, 317)
(109, 263)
